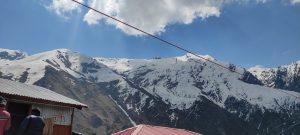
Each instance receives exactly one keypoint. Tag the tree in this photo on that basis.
(232, 67)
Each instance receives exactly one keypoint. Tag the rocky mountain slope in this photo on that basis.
(184, 92)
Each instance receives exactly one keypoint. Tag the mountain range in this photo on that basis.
(283, 77)
(183, 92)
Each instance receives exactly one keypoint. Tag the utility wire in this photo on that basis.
(165, 41)
(156, 37)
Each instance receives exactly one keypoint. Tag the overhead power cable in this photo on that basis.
(165, 41)
(156, 37)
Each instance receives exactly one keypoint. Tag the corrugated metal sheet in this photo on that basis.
(154, 130)
(35, 92)
(60, 115)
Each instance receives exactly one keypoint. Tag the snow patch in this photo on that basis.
(131, 121)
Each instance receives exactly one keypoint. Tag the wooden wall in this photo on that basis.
(62, 130)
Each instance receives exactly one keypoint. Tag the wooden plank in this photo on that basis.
(61, 130)
(72, 116)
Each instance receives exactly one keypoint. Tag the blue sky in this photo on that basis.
(248, 34)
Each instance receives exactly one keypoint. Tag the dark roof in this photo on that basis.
(32, 93)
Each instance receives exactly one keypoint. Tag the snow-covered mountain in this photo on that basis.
(6, 54)
(180, 81)
(185, 92)
(71, 74)
(283, 77)
(77, 65)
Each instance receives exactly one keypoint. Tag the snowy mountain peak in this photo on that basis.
(32, 68)
(56, 52)
(6, 54)
(63, 50)
(192, 56)
(258, 70)
(283, 77)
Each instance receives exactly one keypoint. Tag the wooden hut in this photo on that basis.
(56, 109)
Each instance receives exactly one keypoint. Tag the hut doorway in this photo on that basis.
(18, 111)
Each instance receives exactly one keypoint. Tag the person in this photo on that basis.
(5, 121)
(32, 124)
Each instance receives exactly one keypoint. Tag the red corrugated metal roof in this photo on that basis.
(21, 91)
(154, 130)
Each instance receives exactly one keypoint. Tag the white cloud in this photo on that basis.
(152, 15)
(149, 15)
(64, 7)
(295, 2)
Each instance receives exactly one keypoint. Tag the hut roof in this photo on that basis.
(32, 93)
(154, 130)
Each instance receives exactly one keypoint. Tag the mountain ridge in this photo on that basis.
(174, 92)
(7, 54)
(283, 77)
